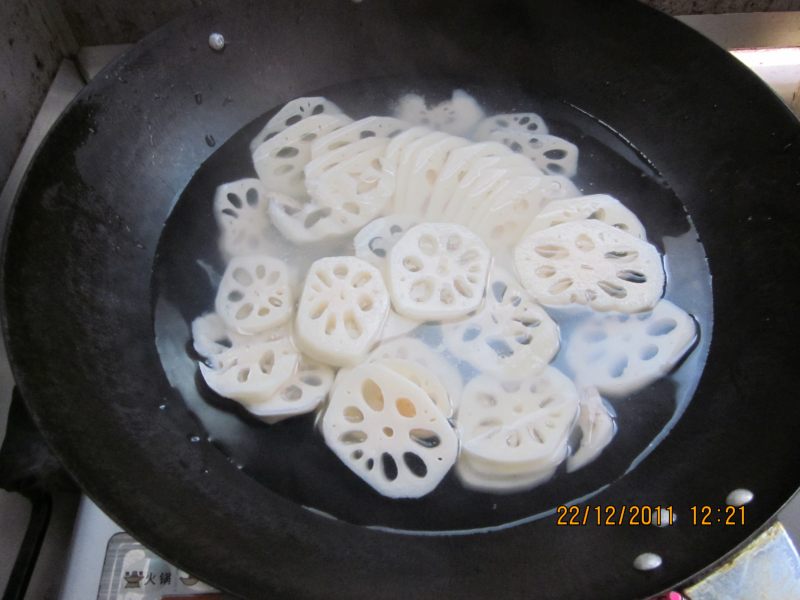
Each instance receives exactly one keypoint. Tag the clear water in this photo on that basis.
(291, 458)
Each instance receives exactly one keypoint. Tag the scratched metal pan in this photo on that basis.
(111, 241)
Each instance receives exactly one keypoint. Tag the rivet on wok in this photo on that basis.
(647, 561)
(216, 41)
(739, 497)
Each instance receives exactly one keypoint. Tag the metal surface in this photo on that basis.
(768, 568)
(102, 215)
(748, 30)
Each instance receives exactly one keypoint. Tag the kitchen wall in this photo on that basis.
(33, 38)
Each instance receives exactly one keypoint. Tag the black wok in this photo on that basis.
(99, 290)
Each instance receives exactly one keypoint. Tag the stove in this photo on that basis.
(121, 567)
(84, 555)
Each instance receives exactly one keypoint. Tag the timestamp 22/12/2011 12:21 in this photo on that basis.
(635, 515)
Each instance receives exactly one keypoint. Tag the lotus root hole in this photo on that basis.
(244, 311)
(412, 264)
(389, 466)
(454, 242)
(421, 291)
(415, 464)
(584, 243)
(661, 327)
(551, 251)
(612, 289)
(463, 288)
(560, 286)
(353, 414)
(320, 308)
(330, 324)
(365, 303)
(406, 408)
(424, 437)
(267, 362)
(242, 277)
(352, 325)
(648, 352)
(372, 394)
(353, 437)
(235, 200)
(622, 255)
(292, 393)
(428, 244)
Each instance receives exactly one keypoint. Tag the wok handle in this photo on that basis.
(29, 468)
(31, 545)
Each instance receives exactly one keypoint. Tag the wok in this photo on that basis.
(101, 280)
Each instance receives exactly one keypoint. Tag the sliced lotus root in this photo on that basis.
(329, 160)
(251, 373)
(597, 425)
(600, 207)
(308, 223)
(472, 170)
(388, 432)
(484, 479)
(395, 153)
(518, 423)
(281, 160)
(620, 354)
(240, 209)
(405, 166)
(300, 394)
(359, 186)
(254, 294)
(511, 206)
(380, 127)
(342, 310)
(526, 123)
(472, 197)
(592, 263)
(552, 154)
(437, 271)
(292, 113)
(424, 378)
(211, 337)
(408, 348)
(457, 116)
(529, 472)
(398, 142)
(377, 238)
(396, 326)
(511, 334)
(426, 165)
